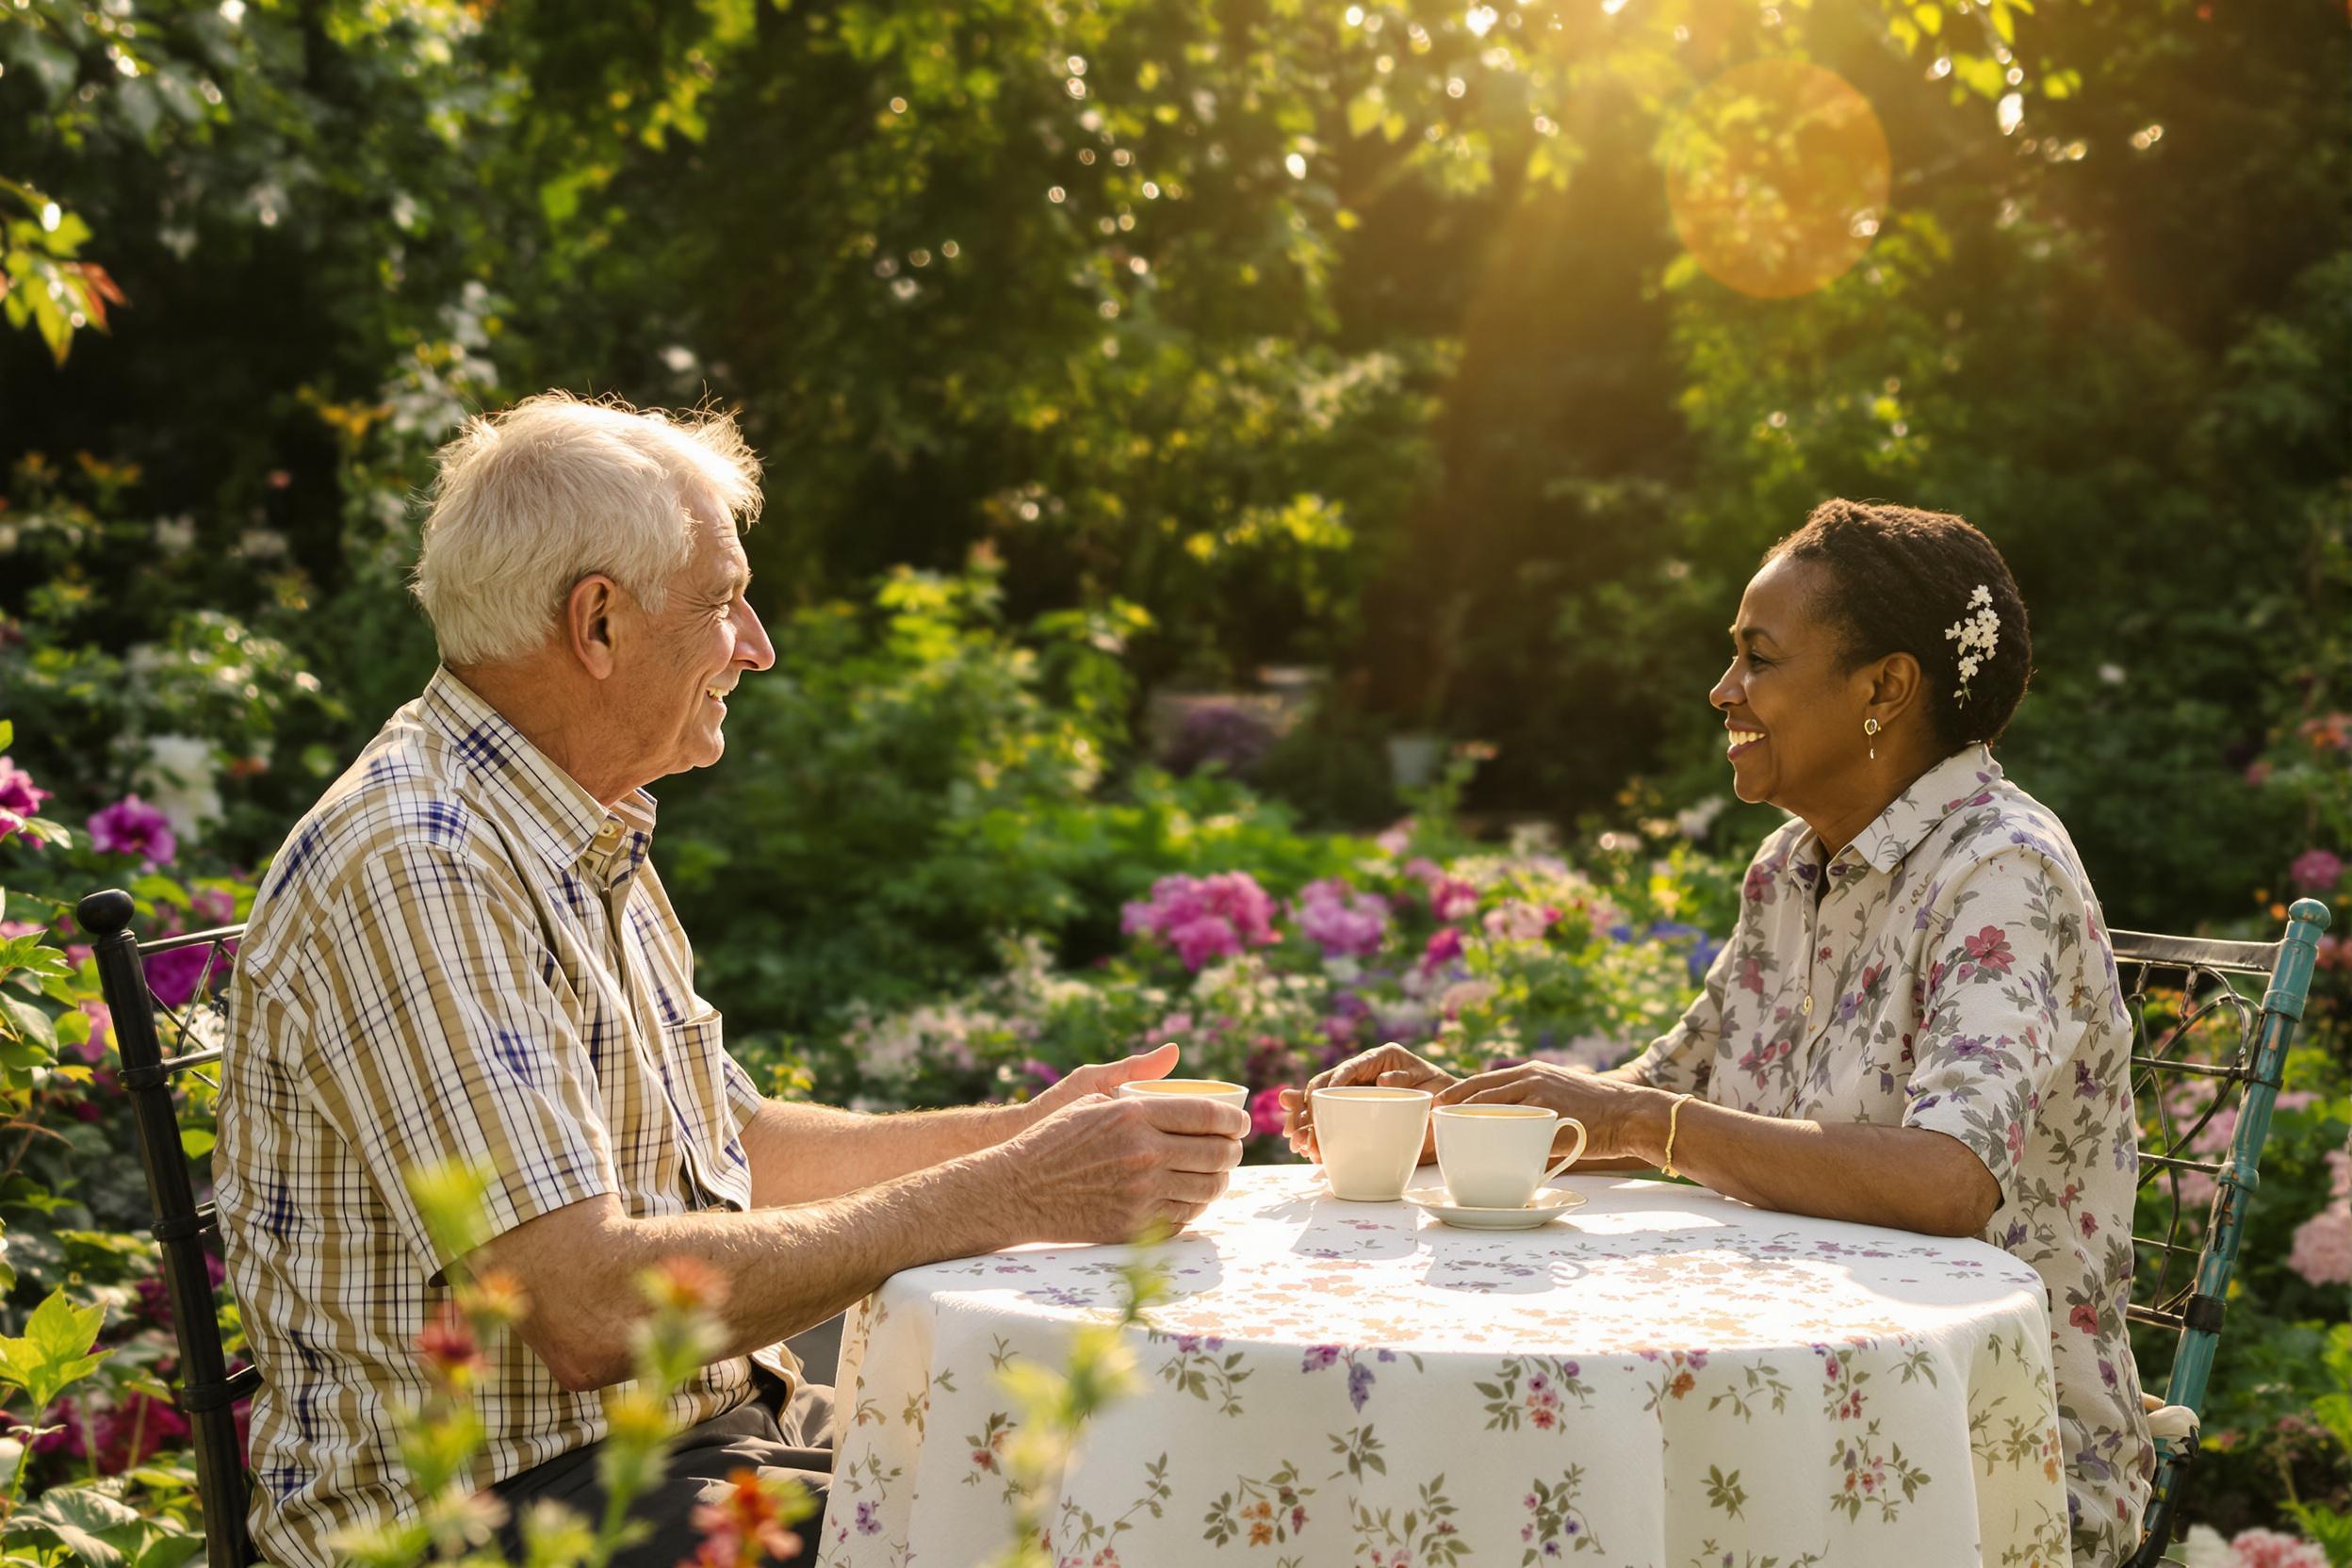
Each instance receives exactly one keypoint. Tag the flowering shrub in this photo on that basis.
(1465, 953)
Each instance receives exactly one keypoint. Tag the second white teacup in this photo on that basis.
(1370, 1139)
(1494, 1156)
(1200, 1089)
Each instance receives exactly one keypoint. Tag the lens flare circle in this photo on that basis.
(1776, 174)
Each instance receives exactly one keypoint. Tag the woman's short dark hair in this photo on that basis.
(1895, 580)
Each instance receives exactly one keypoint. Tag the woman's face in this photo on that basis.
(1793, 713)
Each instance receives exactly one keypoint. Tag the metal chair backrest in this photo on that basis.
(206, 1391)
(2202, 1048)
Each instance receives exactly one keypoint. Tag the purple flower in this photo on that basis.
(867, 1523)
(2315, 871)
(131, 826)
(172, 976)
(1359, 1383)
(1318, 1357)
(1342, 921)
(1204, 938)
(19, 795)
(1044, 1074)
(1444, 947)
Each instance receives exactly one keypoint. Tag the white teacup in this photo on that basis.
(1197, 1088)
(1370, 1138)
(1492, 1156)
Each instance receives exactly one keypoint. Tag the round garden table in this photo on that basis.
(1664, 1378)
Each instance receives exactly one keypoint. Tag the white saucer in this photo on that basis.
(1548, 1204)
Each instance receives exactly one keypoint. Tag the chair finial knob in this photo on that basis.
(103, 914)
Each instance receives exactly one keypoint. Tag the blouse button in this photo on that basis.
(1809, 1002)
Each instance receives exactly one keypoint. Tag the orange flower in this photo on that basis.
(745, 1525)
(1682, 1384)
(685, 1285)
(447, 1348)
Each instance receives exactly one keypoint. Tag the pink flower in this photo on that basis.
(1397, 839)
(1444, 947)
(1452, 898)
(1204, 938)
(19, 795)
(1265, 1113)
(2322, 1252)
(1342, 921)
(2315, 871)
(1518, 921)
(1990, 949)
(2261, 1548)
(1204, 917)
(131, 826)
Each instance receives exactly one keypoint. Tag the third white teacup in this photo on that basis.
(1492, 1156)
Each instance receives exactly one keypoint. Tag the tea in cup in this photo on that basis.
(1198, 1089)
(1370, 1139)
(1494, 1156)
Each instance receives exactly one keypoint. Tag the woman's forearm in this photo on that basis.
(1906, 1177)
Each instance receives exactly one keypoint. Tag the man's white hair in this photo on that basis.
(531, 501)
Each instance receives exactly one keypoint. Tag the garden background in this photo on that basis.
(1184, 422)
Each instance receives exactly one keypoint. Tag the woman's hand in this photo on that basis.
(1617, 1115)
(1389, 1067)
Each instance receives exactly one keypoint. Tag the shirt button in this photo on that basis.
(609, 833)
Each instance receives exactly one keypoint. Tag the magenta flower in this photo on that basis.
(1265, 1113)
(1444, 947)
(19, 795)
(2315, 871)
(1204, 938)
(131, 826)
(1204, 917)
(172, 976)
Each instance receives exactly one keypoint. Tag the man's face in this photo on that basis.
(690, 656)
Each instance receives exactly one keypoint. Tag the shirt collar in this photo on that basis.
(1963, 779)
(561, 820)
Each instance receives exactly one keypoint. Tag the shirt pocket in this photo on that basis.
(694, 1077)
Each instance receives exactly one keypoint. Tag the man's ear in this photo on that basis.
(590, 612)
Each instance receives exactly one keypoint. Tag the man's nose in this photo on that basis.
(754, 648)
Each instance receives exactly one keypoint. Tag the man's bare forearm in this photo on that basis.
(784, 1269)
(801, 1152)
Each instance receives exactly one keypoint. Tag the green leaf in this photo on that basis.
(1931, 17)
(157, 889)
(195, 1142)
(29, 1024)
(98, 1530)
(52, 1351)
(7, 734)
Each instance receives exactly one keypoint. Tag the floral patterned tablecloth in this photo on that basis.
(1667, 1379)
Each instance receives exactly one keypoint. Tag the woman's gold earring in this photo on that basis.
(1872, 726)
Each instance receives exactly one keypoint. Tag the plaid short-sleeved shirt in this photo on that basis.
(458, 954)
(1949, 969)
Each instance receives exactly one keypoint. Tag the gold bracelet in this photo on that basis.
(1673, 1115)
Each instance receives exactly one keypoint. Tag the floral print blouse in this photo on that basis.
(1949, 969)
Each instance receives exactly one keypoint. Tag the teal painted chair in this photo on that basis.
(2202, 1045)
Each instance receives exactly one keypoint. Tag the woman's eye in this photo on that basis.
(1757, 662)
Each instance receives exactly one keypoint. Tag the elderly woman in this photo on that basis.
(1916, 1022)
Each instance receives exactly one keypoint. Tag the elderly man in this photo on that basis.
(462, 954)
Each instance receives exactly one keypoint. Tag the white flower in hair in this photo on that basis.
(1977, 635)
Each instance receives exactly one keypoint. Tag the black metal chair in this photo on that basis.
(205, 1389)
(2193, 1025)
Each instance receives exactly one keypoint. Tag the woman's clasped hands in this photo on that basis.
(1611, 1108)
